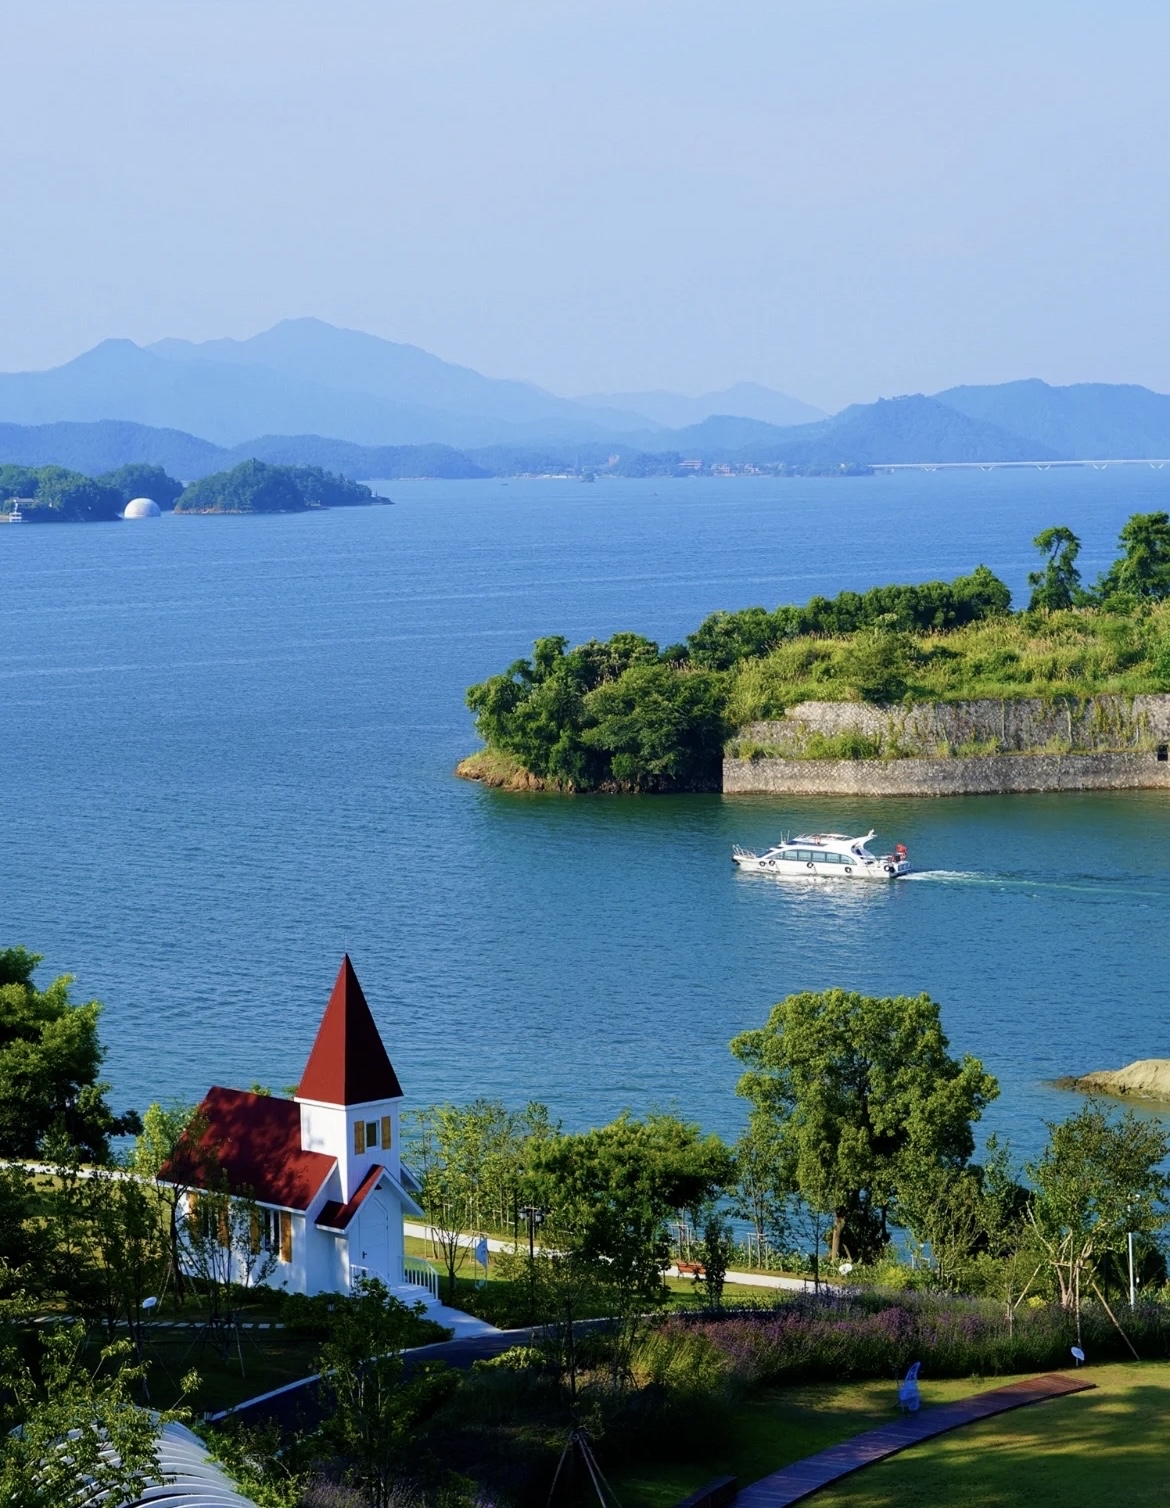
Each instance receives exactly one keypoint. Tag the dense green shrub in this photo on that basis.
(606, 715)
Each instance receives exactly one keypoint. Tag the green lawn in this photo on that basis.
(778, 1426)
(1088, 1450)
(1085, 1451)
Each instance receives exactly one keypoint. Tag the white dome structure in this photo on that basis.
(141, 507)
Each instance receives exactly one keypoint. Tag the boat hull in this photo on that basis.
(793, 869)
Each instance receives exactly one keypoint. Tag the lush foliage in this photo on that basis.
(841, 1337)
(615, 715)
(856, 1095)
(625, 715)
(112, 1443)
(137, 479)
(376, 1409)
(724, 639)
(52, 494)
(257, 487)
(50, 1059)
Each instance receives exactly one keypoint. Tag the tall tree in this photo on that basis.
(1100, 1177)
(50, 1057)
(376, 1410)
(171, 1136)
(858, 1091)
(1058, 584)
(609, 1195)
(1143, 570)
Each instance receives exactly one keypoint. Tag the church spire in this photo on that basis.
(348, 1064)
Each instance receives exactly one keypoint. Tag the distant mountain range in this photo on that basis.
(307, 377)
(368, 408)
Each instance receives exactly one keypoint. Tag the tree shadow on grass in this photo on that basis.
(1082, 1451)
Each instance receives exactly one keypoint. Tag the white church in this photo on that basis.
(324, 1167)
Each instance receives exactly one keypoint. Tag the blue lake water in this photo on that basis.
(227, 753)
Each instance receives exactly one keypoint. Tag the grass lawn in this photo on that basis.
(1083, 1451)
(779, 1426)
(270, 1359)
(1103, 1447)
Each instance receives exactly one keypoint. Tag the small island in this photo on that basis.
(54, 494)
(927, 689)
(257, 487)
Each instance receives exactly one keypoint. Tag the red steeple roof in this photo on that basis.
(348, 1064)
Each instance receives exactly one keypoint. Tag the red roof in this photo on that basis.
(335, 1215)
(254, 1141)
(348, 1064)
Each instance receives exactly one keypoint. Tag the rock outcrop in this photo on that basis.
(1147, 1079)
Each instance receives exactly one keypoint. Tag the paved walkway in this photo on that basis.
(422, 1232)
(802, 1478)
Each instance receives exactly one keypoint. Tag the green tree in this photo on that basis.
(376, 1410)
(662, 729)
(876, 664)
(1058, 585)
(764, 1179)
(1143, 571)
(1100, 1177)
(609, 1195)
(137, 479)
(471, 1163)
(858, 1092)
(50, 1057)
(716, 1250)
(250, 487)
(169, 1138)
(112, 1444)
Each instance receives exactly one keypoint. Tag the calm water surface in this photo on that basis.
(227, 751)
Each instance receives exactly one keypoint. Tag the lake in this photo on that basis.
(228, 749)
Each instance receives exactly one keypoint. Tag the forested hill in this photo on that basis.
(627, 715)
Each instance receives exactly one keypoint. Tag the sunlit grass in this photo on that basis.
(1077, 653)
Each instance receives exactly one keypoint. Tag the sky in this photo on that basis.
(838, 198)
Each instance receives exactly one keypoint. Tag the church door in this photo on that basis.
(369, 1246)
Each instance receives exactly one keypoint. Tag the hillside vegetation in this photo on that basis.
(627, 715)
(54, 494)
(256, 487)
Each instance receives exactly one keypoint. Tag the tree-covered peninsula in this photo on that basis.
(625, 715)
(257, 487)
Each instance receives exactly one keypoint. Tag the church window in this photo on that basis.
(371, 1134)
(270, 1230)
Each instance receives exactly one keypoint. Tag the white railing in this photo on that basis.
(419, 1270)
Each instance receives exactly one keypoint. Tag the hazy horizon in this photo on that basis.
(836, 200)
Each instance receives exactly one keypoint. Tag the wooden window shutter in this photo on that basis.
(359, 1137)
(285, 1236)
(387, 1132)
(255, 1232)
(224, 1227)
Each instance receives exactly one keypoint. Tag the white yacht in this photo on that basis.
(833, 856)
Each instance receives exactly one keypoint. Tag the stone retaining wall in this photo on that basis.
(1094, 724)
(986, 775)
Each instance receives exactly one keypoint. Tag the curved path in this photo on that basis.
(802, 1478)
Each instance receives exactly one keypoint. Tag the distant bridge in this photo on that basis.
(1097, 465)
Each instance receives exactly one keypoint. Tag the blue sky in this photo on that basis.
(840, 198)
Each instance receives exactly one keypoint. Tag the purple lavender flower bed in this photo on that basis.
(831, 1339)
